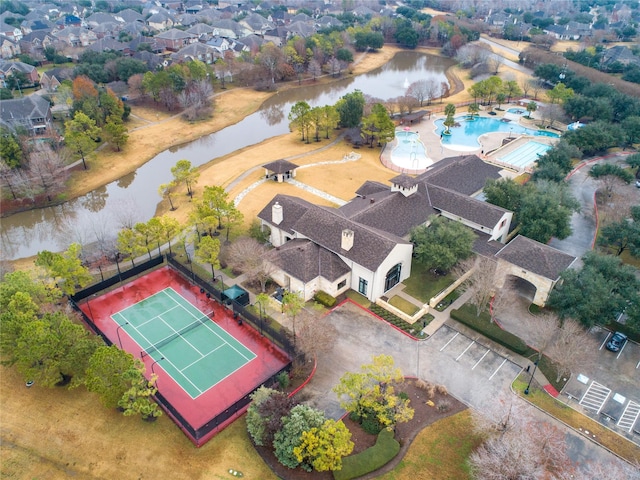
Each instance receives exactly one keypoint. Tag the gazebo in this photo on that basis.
(280, 170)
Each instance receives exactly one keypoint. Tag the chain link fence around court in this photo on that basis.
(238, 311)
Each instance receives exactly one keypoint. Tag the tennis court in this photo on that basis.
(182, 340)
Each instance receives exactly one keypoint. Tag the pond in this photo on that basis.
(99, 214)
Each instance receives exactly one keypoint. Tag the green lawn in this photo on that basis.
(440, 451)
(422, 285)
(403, 305)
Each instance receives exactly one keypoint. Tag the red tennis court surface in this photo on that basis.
(202, 410)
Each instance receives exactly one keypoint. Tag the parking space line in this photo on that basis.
(595, 397)
(503, 362)
(623, 347)
(605, 341)
(481, 358)
(638, 365)
(451, 340)
(629, 416)
(465, 350)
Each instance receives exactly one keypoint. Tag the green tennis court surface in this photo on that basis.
(182, 340)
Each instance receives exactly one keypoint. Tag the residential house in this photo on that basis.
(34, 43)
(221, 45)
(300, 29)
(160, 21)
(256, 24)
(621, 54)
(9, 68)
(196, 51)
(52, 79)
(32, 113)
(175, 39)
(75, 36)
(36, 24)
(229, 29)
(203, 31)
(9, 48)
(110, 44)
(11, 32)
(100, 18)
(128, 15)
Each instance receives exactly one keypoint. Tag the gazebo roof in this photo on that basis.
(280, 166)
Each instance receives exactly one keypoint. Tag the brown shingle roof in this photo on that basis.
(292, 209)
(464, 174)
(280, 166)
(370, 187)
(481, 213)
(304, 260)
(536, 257)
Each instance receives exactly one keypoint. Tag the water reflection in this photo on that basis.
(26, 233)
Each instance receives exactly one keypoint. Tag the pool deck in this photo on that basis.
(491, 143)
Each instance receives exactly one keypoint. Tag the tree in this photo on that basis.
(609, 176)
(65, 268)
(10, 148)
(292, 305)
(560, 93)
(598, 292)
(573, 348)
(249, 256)
(299, 119)
(53, 350)
(442, 243)
(170, 228)
(256, 423)
(370, 395)
(80, 134)
(480, 283)
(623, 235)
(329, 119)
(472, 111)
(47, 171)
(207, 251)
(108, 374)
(546, 210)
(350, 107)
(505, 193)
(315, 336)
(166, 190)
(183, 172)
(116, 132)
(325, 446)
(301, 418)
(531, 107)
(271, 58)
(137, 400)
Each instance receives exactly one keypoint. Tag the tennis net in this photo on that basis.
(179, 333)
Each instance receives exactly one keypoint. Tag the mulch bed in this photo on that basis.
(405, 433)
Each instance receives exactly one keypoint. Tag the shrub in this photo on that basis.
(444, 406)
(442, 390)
(283, 380)
(483, 324)
(403, 395)
(421, 384)
(325, 299)
(385, 449)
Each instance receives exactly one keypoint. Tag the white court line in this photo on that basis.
(181, 336)
(169, 361)
(503, 362)
(151, 319)
(224, 340)
(465, 350)
(196, 361)
(481, 358)
(446, 344)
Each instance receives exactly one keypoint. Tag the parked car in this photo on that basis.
(617, 342)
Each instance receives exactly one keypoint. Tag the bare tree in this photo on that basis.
(126, 213)
(334, 66)
(406, 103)
(574, 348)
(504, 298)
(617, 208)
(480, 284)
(494, 62)
(472, 54)
(551, 113)
(501, 415)
(314, 69)
(196, 100)
(47, 170)
(611, 471)
(535, 86)
(249, 256)
(419, 90)
(529, 450)
(315, 335)
(547, 326)
(270, 58)
(14, 179)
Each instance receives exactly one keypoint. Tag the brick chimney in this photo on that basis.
(347, 239)
(276, 214)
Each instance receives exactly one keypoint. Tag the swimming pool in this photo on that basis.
(525, 155)
(409, 152)
(465, 137)
(517, 111)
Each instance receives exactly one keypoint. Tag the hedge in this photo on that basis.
(373, 458)
(483, 324)
(415, 329)
(325, 299)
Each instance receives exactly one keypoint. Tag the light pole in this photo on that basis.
(90, 311)
(118, 333)
(535, 365)
(221, 281)
(153, 372)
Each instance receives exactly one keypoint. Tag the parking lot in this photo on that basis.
(473, 371)
(609, 390)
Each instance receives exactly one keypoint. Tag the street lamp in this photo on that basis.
(118, 333)
(563, 75)
(153, 372)
(221, 281)
(535, 365)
